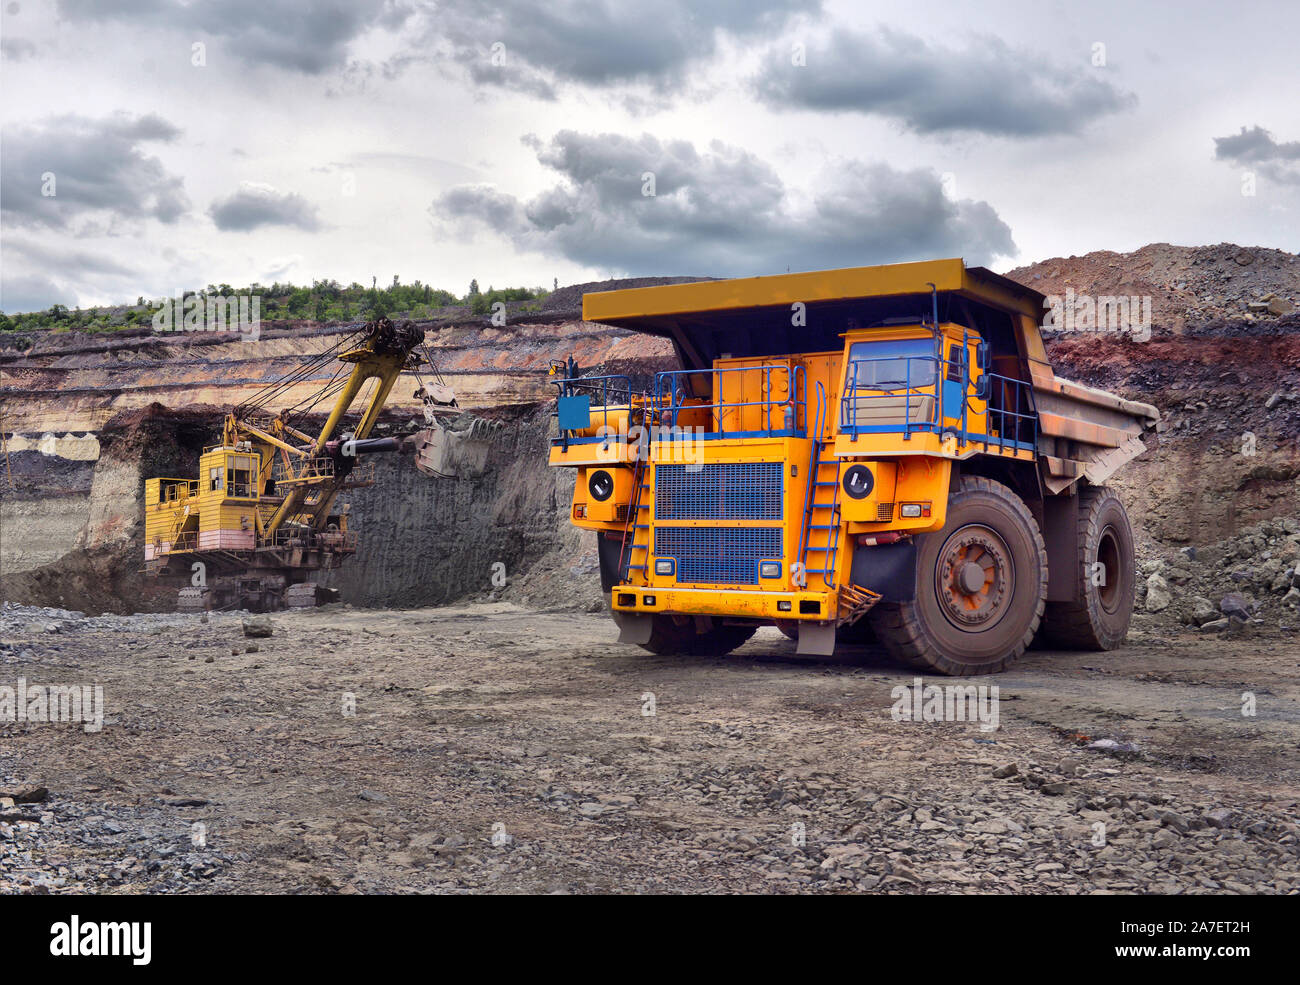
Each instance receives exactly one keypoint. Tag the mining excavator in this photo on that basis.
(261, 528)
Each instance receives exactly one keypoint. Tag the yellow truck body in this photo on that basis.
(874, 451)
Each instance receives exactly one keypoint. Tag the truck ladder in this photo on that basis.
(819, 541)
(633, 539)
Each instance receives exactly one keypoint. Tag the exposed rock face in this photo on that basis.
(430, 541)
(95, 380)
(1187, 284)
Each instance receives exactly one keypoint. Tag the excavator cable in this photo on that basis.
(299, 374)
(296, 375)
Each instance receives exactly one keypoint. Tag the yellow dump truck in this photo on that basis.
(873, 452)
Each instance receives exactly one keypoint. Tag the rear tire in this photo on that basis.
(981, 584)
(670, 637)
(860, 633)
(1099, 617)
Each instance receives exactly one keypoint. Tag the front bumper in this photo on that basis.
(739, 604)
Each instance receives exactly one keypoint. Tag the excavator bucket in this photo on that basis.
(460, 451)
(444, 453)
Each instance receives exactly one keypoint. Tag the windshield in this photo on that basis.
(891, 364)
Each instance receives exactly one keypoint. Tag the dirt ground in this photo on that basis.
(496, 749)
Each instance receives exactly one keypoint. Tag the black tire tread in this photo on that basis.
(668, 638)
(1070, 625)
(898, 629)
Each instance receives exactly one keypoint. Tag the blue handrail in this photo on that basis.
(1011, 412)
(815, 468)
(670, 398)
(612, 391)
(852, 392)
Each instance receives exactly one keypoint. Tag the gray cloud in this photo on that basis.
(308, 36)
(1256, 147)
(987, 88)
(16, 49)
(99, 168)
(255, 205)
(41, 272)
(72, 263)
(722, 211)
(29, 292)
(595, 44)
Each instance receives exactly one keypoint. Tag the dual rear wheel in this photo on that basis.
(981, 592)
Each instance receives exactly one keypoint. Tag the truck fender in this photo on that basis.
(608, 550)
(1061, 536)
(889, 569)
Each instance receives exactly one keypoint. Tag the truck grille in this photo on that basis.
(723, 491)
(718, 555)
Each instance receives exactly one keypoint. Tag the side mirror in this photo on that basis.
(982, 360)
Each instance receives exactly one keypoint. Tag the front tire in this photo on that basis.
(981, 585)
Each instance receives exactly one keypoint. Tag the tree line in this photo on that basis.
(323, 301)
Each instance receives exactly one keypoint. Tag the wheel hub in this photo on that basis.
(974, 578)
(971, 578)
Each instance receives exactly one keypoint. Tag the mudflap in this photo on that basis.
(633, 628)
(887, 569)
(608, 551)
(816, 639)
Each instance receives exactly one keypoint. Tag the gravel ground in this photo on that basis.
(490, 748)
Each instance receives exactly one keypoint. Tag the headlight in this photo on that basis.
(769, 569)
(664, 566)
(858, 481)
(600, 485)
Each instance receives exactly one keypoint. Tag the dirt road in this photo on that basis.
(492, 749)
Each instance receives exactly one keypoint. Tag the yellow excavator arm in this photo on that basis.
(386, 350)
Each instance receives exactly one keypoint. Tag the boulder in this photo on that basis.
(1158, 595)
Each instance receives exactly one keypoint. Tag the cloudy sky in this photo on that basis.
(155, 145)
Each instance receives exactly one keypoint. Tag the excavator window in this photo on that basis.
(239, 476)
(214, 478)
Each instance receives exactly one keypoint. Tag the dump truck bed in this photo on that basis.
(1082, 432)
(1087, 433)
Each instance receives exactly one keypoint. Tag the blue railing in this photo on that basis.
(814, 469)
(926, 372)
(1012, 416)
(578, 396)
(779, 416)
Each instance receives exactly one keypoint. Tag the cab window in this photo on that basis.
(891, 364)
